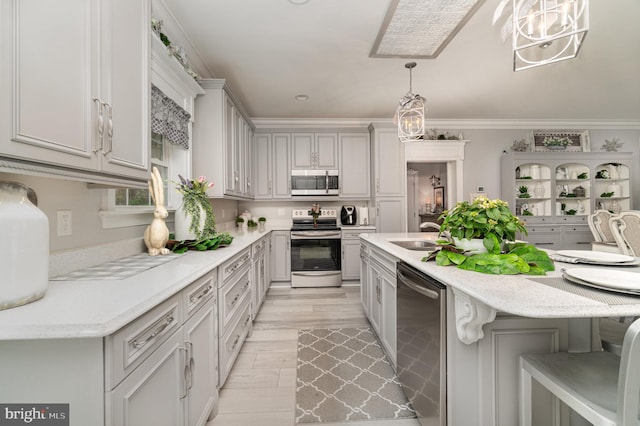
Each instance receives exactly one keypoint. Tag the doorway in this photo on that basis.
(426, 193)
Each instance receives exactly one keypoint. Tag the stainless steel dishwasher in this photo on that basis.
(422, 344)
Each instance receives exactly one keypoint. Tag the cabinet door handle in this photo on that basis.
(192, 364)
(109, 128)
(100, 125)
(185, 372)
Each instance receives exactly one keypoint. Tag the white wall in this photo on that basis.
(85, 205)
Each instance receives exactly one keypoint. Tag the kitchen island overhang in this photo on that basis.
(479, 297)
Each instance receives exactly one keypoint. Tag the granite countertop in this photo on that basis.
(98, 307)
(514, 294)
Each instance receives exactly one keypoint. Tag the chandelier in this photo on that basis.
(547, 31)
(411, 113)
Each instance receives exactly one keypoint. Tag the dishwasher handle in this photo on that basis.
(431, 294)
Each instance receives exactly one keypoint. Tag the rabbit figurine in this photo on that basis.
(157, 234)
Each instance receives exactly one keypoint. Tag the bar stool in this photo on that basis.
(600, 386)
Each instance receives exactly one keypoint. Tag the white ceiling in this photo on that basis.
(272, 50)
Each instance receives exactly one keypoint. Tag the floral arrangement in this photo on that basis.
(195, 202)
(556, 141)
(490, 220)
(315, 212)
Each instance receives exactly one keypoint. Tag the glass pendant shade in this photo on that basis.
(547, 31)
(411, 114)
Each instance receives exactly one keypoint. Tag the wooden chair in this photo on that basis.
(626, 232)
(600, 386)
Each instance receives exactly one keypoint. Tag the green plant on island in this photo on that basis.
(489, 220)
(517, 258)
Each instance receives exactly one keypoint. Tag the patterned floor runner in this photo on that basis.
(343, 375)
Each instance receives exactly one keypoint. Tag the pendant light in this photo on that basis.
(411, 113)
(547, 31)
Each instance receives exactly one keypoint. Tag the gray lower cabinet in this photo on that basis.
(174, 384)
(281, 256)
(234, 313)
(159, 369)
(350, 239)
(559, 237)
(378, 295)
(260, 268)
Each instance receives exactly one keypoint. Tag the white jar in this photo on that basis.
(534, 169)
(24, 252)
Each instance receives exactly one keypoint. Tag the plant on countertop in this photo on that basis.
(195, 201)
(218, 240)
(519, 258)
(262, 219)
(523, 192)
(252, 224)
(490, 220)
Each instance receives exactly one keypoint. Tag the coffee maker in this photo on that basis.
(348, 215)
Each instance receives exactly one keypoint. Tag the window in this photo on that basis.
(160, 158)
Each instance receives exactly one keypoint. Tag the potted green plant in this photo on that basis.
(240, 222)
(488, 222)
(523, 192)
(252, 224)
(261, 223)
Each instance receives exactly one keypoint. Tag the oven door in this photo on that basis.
(315, 259)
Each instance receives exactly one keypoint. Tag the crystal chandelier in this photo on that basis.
(547, 31)
(411, 113)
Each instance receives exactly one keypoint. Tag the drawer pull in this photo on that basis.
(202, 294)
(235, 342)
(137, 344)
(246, 321)
(244, 287)
(235, 299)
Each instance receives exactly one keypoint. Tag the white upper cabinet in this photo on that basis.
(271, 166)
(388, 162)
(75, 84)
(314, 151)
(222, 139)
(354, 165)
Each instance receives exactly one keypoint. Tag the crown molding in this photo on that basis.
(478, 124)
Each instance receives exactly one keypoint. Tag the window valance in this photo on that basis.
(169, 119)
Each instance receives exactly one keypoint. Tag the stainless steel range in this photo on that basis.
(315, 249)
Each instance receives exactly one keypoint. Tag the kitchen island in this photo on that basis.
(490, 321)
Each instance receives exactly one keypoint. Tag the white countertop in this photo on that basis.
(514, 294)
(77, 309)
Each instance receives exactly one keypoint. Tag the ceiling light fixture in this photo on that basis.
(410, 115)
(302, 97)
(547, 31)
(298, 2)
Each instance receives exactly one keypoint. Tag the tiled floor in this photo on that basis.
(261, 388)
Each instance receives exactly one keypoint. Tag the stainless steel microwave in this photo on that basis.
(314, 182)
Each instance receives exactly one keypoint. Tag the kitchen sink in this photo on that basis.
(418, 245)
